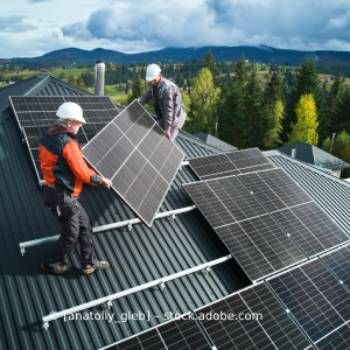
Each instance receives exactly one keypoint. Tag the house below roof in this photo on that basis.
(315, 156)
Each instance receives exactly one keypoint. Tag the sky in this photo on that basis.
(33, 27)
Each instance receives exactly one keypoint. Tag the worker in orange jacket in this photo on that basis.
(65, 172)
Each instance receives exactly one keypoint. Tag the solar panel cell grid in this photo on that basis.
(298, 232)
(277, 247)
(245, 251)
(329, 286)
(234, 333)
(236, 198)
(339, 263)
(338, 340)
(212, 209)
(320, 225)
(306, 303)
(146, 341)
(231, 163)
(285, 188)
(278, 325)
(261, 192)
(184, 335)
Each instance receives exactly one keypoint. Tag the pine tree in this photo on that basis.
(204, 98)
(254, 120)
(231, 113)
(328, 119)
(340, 118)
(274, 110)
(138, 88)
(307, 82)
(209, 62)
(305, 128)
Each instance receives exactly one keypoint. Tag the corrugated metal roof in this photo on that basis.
(136, 257)
(331, 193)
(215, 142)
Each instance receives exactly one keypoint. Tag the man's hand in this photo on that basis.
(167, 133)
(107, 183)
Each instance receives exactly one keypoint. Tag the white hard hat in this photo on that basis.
(152, 71)
(71, 111)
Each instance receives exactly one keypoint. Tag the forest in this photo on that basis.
(244, 103)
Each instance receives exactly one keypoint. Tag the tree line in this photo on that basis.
(290, 106)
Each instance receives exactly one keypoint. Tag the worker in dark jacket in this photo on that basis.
(65, 172)
(167, 101)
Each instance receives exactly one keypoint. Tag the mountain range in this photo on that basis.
(265, 54)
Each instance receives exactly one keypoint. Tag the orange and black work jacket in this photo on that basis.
(62, 163)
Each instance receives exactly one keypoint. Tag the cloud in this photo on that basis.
(155, 23)
(15, 23)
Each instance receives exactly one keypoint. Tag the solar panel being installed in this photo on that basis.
(134, 153)
(35, 114)
(232, 163)
(266, 216)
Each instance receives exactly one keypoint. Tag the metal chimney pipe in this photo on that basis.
(100, 69)
(294, 153)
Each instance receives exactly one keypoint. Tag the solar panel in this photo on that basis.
(306, 303)
(337, 340)
(224, 201)
(134, 153)
(262, 192)
(276, 322)
(300, 234)
(278, 248)
(339, 263)
(184, 335)
(228, 331)
(321, 226)
(35, 114)
(232, 163)
(329, 286)
(244, 251)
(149, 340)
(284, 187)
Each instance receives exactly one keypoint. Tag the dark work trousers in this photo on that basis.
(76, 227)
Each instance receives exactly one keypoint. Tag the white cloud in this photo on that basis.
(132, 27)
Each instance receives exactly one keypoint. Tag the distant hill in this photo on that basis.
(69, 56)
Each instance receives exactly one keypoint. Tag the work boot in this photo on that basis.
(99, 265)
(57, 268)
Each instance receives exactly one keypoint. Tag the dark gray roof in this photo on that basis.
(215, 142)
(331, 193)
(314, 155)
(136, 257)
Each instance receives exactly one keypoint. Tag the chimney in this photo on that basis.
(100, 68)
(294, 153)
